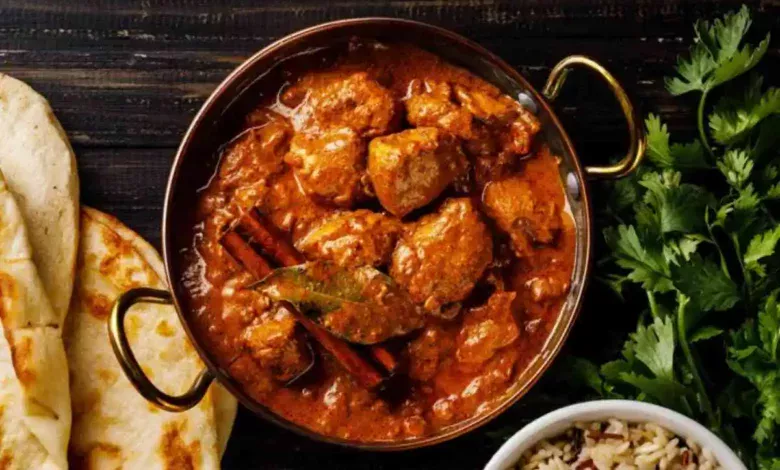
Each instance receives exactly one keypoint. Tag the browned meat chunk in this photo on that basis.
(335, 100)
(431, 105)
(411, 168)
(520, 213)
(441, 258)
(252, 157)
(486, 329)
(274, 342)
(426, 352)
(502, 111)
(330, 165)
(352, 239)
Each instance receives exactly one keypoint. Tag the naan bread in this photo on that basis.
(113, 426)
(34, 400)
(40, 170)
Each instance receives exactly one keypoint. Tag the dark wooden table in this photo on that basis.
(125, 78)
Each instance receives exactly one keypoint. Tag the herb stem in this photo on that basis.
(653, 303)
(700, 120)
(682, 337)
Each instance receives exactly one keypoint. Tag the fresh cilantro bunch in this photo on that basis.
(695, 238)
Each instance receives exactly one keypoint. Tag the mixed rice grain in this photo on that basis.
(617, 445)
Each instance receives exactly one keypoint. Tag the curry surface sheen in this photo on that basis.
(388, 157)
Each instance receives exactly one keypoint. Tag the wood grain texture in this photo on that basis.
(126, 77)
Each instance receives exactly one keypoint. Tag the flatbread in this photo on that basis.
(35, 413)
(40, 170)
(113, 426)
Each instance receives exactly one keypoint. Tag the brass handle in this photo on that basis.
(636, 149)
(133, 370)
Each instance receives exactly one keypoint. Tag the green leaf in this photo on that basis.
(773, 192)
(678, 156)
(654, 347)
(665, 392)
(705, 284)
(739, 215)
(736, 166)
(769, 327)
(722, 37)
(744, 60)
(693, 72)
(731, 121)
(677, 207)
(646, 264)
(361, 305)
(761, 246)
(717, 57)
(704, 333)
(677, 251)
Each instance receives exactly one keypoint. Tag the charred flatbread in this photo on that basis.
(113, 426)
(40, 170)
(35, 413)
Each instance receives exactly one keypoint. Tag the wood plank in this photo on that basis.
(128, 184)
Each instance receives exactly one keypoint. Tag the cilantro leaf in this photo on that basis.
(694, 72)
(717, 57)
(703, 281)
(769, 326)
(645, 262)
(677, 207)
(761, 246)
(722, 37)
(704, 333)
(731, 121)
(677, 156)
(677, 251)
(753, 355)
(654, 346)
(736, 166)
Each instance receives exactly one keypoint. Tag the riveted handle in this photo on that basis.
(636, 148)
(130, 365)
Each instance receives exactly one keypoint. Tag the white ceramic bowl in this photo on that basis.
(558, 421)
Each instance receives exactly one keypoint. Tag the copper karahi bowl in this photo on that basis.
(216, 123)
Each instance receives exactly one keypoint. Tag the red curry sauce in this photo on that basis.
(482, 241)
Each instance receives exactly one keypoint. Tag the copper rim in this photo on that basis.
(583, 269)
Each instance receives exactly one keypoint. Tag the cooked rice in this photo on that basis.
(617, 445)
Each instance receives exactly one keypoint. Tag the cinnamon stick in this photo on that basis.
(264, 233)
(244, 255)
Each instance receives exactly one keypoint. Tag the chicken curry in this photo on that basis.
(383, 249)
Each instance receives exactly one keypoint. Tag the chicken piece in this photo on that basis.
(330, 165)
(252, 157)
(274, 342)
(352, 239)
(411, 168)
(518, 211)
(502, 111)
(490, 108)
(441, 258)
(486, 329)
(433, 106)
(334, 100)
(288, 207)
(426, 352)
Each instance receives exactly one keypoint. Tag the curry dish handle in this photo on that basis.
(130, 365)
(636, 149)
